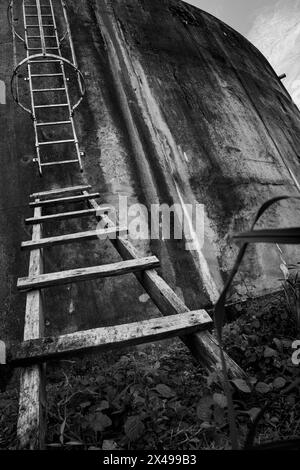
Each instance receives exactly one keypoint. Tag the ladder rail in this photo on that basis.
(31, 418)
(40, 21)
(71, 112)
(38, 155)
(68, 33)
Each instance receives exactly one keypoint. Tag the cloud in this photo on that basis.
(276, 32)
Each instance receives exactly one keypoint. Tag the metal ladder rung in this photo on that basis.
(40, 48)
(51, 105)
(56, 142)
(47, 89)
(30, 16)
(47, 75)
(63, 162)
(39, 37)
(54, 123)
(37, 25)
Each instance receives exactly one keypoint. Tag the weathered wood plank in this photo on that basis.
(86, 274)
(31, 419)
(56, 191)
(203, 345)
(74, 238)
(66, 215)
(102, 339)
(64, 200)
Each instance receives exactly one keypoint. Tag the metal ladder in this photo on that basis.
(37, 18)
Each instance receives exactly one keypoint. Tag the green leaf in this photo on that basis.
(165, 391)
(134, 428)
(242, 385)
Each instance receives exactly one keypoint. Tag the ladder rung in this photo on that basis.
(51, 105)
(56, 191)
(87, 274)
(62, 162)
(40, 48)
(73, 238)
(55, 123)
(44, 61)
(57, 142)
(67, 215)
(63, 200)
(39, 37)
(28, 15)
(101, 339)
(37, 25)
(46, 75)
(42, 90)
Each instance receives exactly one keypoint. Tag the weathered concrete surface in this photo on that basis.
(179, 107)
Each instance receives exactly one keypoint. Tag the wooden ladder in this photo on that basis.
(32, 354)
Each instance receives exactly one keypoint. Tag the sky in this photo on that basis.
(273, 26)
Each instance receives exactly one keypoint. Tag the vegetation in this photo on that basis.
(157, 397)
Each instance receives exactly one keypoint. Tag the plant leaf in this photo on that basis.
(134, 428)
(220, 399)
(204, 408)
(109, 445)
(269, 352)
(242, 385)
(165, 391)
(279, 382)
(262, 387)
(99, 421)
